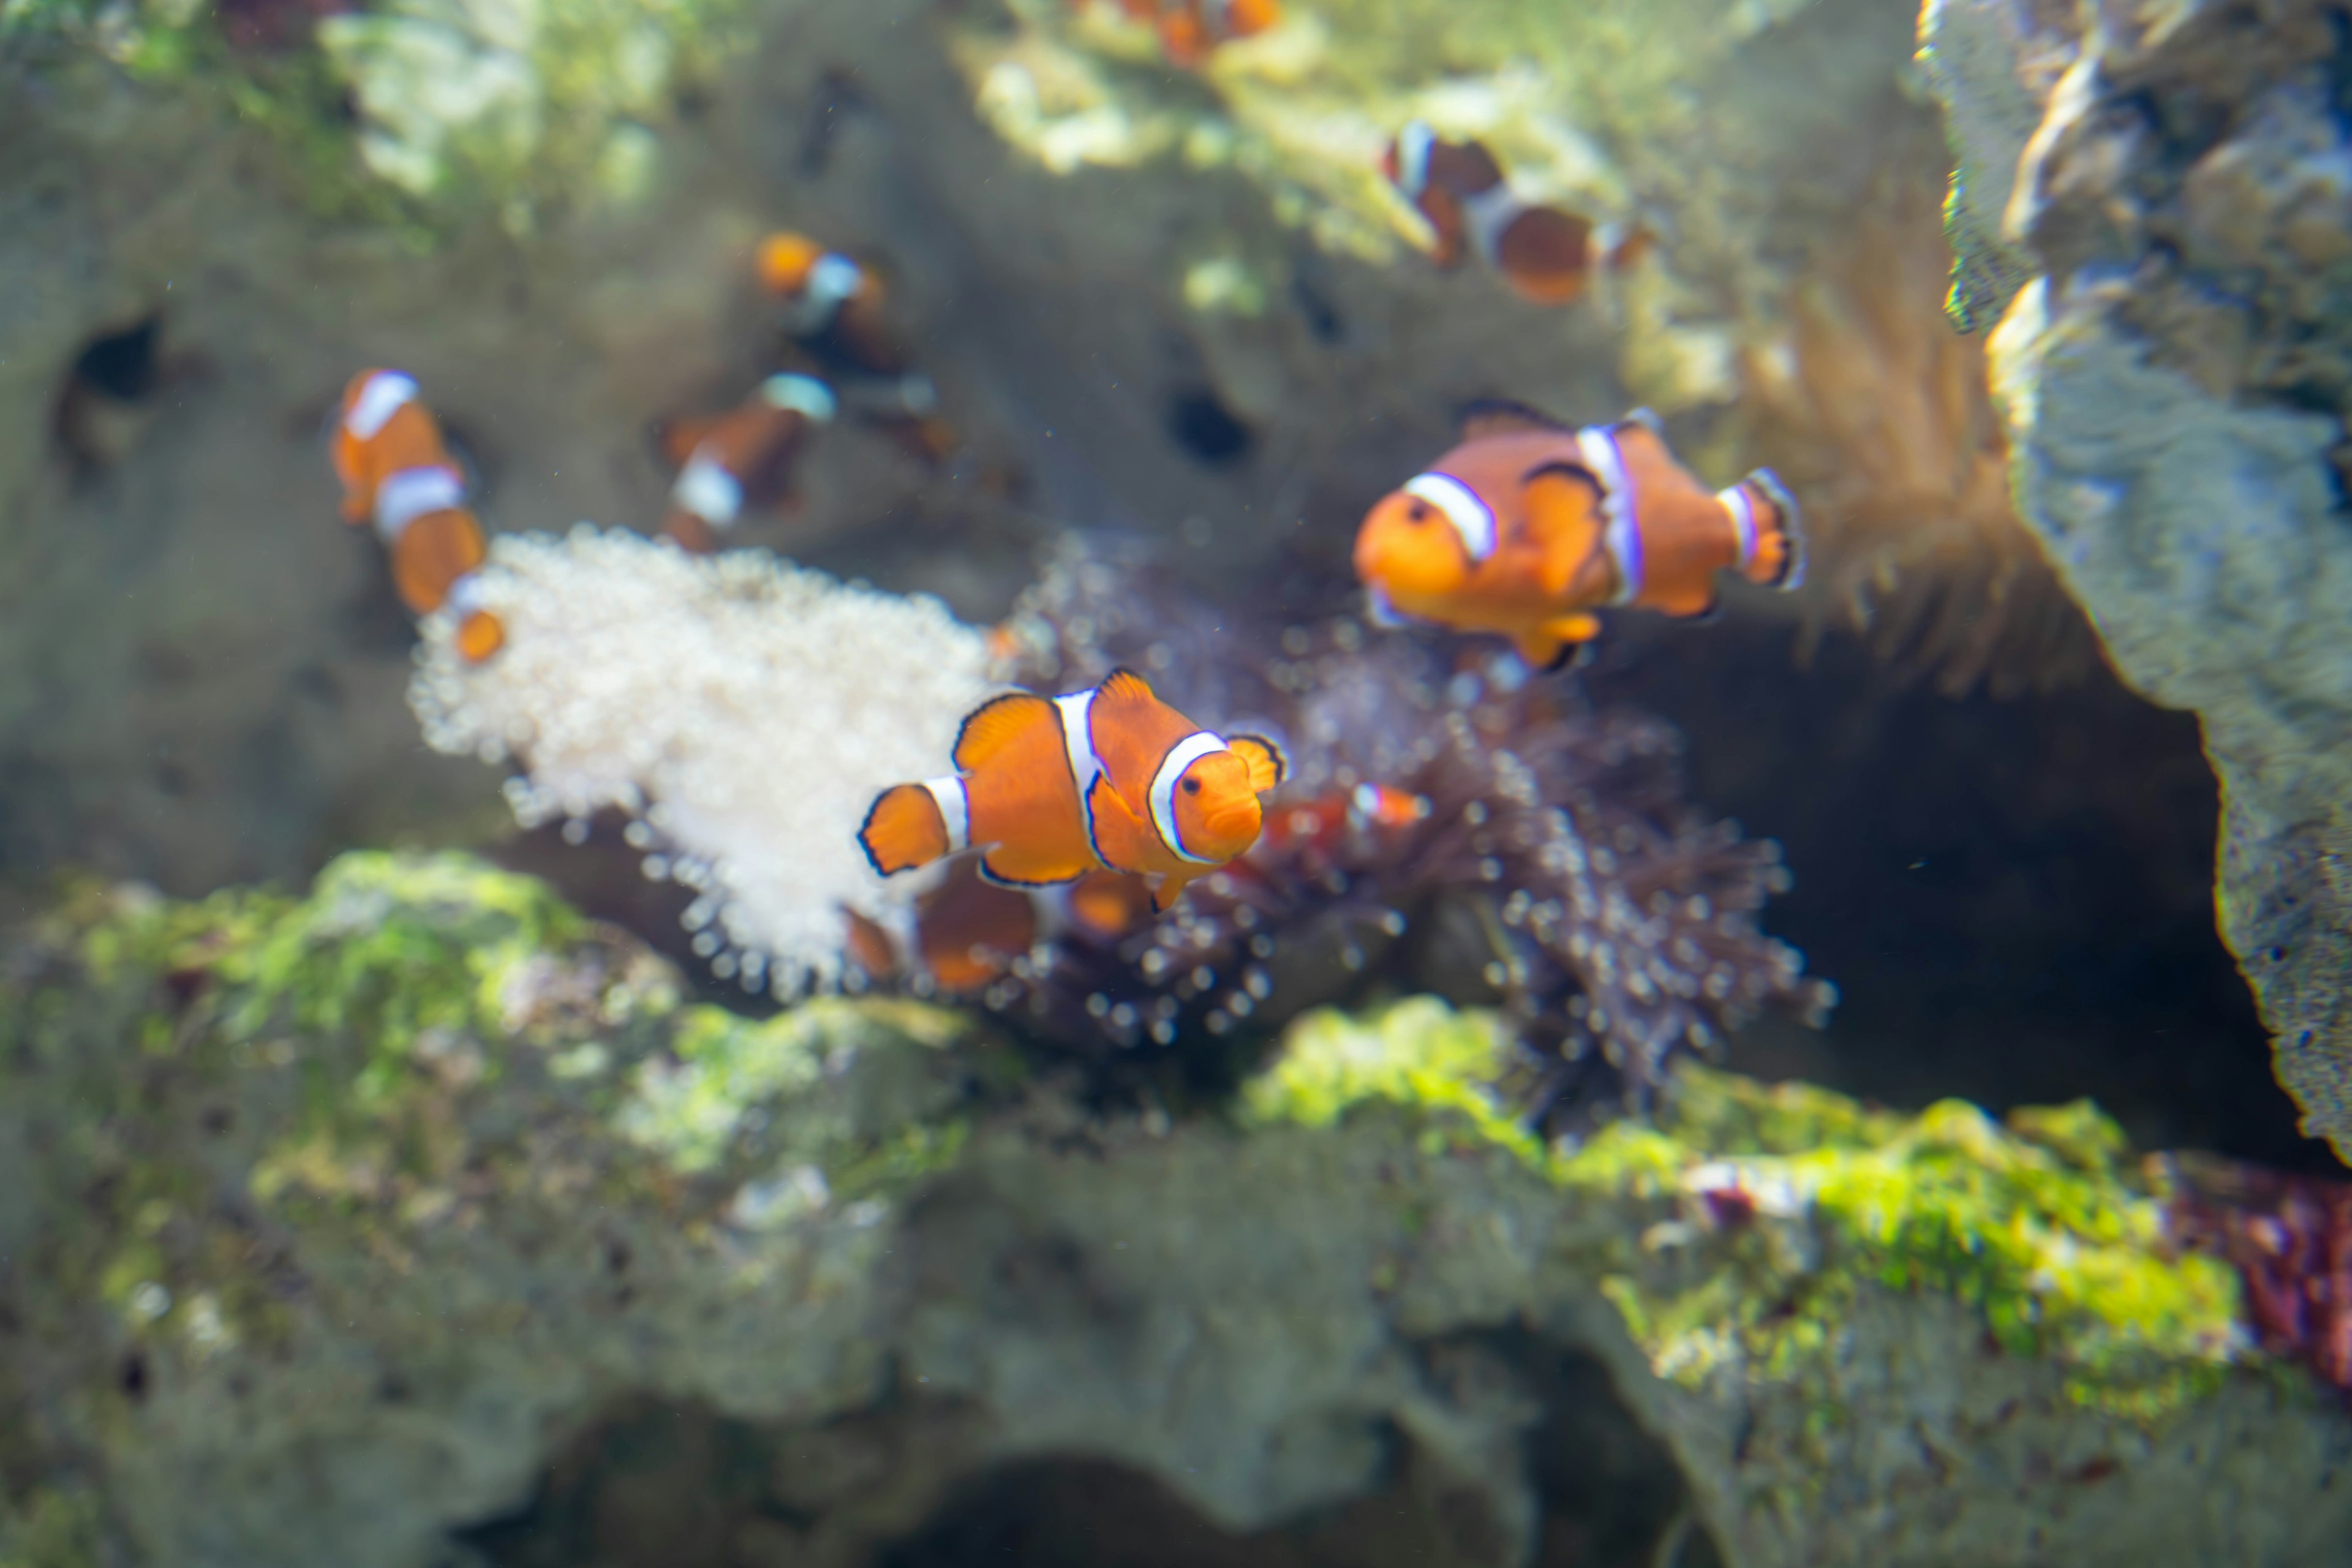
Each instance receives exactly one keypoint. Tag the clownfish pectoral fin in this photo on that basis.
(1563, 504)
(1166, 889)
(1501, 416)
(905, 829)
(996, 724)
(1553, 644)
(1124, 840)
(1262, 757)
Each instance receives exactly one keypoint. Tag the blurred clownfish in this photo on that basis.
(832, 304)
(833, 312)
(1189, 29)
(741, 459)
(1051, 789)
(398, 474)
(1322, 824)
(1545, 254)
(1528, 526)
(968, 932)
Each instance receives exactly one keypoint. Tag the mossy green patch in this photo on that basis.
(466, 109)
(2043, 1225)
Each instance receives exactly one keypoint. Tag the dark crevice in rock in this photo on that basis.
(666, 1484)
(2013, 896)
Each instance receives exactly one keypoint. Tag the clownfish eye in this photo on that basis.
(1192, 787)
(1417, 512)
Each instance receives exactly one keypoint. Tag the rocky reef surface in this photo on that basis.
(2172, 376)
(419, 1221)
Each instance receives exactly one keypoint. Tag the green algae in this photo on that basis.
(369, 1024)
(2043, 1225)
(506, 110)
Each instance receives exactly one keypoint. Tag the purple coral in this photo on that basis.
(2290, 1238)
(1449, 824)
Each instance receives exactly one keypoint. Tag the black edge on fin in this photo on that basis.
(995, 879)
(1569, 657)
(1792, 529)
(1503, 416)
(1281, 759)
(1568, 469)
(1094, 816)
(868, 826)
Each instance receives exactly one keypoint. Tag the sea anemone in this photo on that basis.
(1449, 824)
(741, 711)
(1876, 412)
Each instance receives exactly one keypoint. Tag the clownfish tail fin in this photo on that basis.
(1771, 541)
(480, 633)
(907, 828)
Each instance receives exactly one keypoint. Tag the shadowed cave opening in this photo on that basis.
(665, 1483)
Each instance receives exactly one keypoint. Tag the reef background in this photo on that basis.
(202, 671)
(1161, 305)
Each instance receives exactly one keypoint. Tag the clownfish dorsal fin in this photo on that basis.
(1262, 757)
(1501, 417)
(996, 724)
(1123, 841)
(1123, 687)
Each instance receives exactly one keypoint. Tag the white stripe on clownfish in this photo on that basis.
(386, 391)
(1076, 713)
(707, 490)
(802, 394)
(955, 810)
(1743, 521)
(467, 595)
(833, 279)
(1487, 215)
(1414, 143)
(1617, 508)
(1473, 519)
(1182, 755)
(405, 496)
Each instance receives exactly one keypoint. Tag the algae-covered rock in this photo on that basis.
(419, 1220)
(2175, 392)
(1728, 127)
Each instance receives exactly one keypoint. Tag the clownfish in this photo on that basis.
(1049, 789)
(1319, 826)
(1545, 254)
(832, 304)
(1527, 527)
(833, 312)
(1189, 29)
(398, 474)
(968, 934)
(741, 459)
(1106, 905)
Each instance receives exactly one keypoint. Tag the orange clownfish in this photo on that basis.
(398, 474)
(833, 312)
(741, 459)
(1545, 254)
(1049, 789)
(1528, 527)
(832, 303)
(1189, 29)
